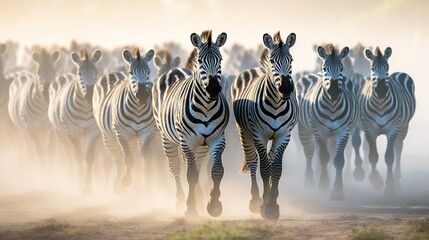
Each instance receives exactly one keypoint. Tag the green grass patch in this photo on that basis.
(229, 230)
(418, 229)
(369, 234)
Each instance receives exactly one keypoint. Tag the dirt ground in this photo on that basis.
(43, 214)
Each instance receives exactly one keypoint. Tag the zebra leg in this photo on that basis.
(341, 142)
(250, 163)
(389, 157)
(172, 153)
(89, 159)
(324, 159)
(78, 156)
(265, 171)
(148, 158)
(214, 206)
(398, 153)
(358, 173)
(272, 208)
(374, 177)
(202, 158)
(115, 152)
(192, 176)
(128, 159)
(306, 139)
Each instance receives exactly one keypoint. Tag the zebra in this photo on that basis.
(191, 112)
(29, 100)
(164, 62)
(123, 111)
(327, 109)
(70, 112)
(4, 94)
(265, 108)
(387, 104)
(360, 62)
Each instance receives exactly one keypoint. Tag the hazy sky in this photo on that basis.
(400, 24)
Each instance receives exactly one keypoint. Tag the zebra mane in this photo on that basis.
(206, 36)
(330, 49)
(83, 53)
(136, 52)
(264, 59)
(378, 52)
(191, 62)
(278, 39)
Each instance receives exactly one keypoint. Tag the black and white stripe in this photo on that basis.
(265, 108)
(123, 110)
(29, 100)
(191, 112)
(70, 112)
(327, 109)
(387, 104)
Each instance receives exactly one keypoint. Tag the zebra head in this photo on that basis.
(46, 71)
(205, 61)
(139, 71)
(332, 69)
(86, 71)
(278, 62)
(164, 62)
(379, 70)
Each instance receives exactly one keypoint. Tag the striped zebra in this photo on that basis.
(123, 111)
(265, 108)
(191, 112)
(70, 113)
(327, 109)
(29, 100)
(164, 62)
(387, 104)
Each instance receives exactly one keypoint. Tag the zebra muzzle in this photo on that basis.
(213, 88)
(286, 87)
(334, 89)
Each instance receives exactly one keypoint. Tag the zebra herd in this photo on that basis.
(183, 113)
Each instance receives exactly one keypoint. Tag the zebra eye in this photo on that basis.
(271, 60)
(324, 69)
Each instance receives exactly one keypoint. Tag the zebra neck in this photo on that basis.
(199, 96)
(270, 92)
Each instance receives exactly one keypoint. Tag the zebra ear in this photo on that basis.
(75, 58)
(149, 55)
(2, 48)
(176, 62)
(158, 61)
(35, 57)
(96, 55)
(127, 55)
(221, 39)
(196, 40)
(268, 40)
(322, 52)
(369, 54)
(290, 40)
(387, 52)
(344, 52)
(55, 56)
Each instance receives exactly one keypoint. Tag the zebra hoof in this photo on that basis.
(255, 205)
(127, 180)
(309, 183)
(270, 211)
(214, 208)
(376, 181)
(337, 196)
(359, 174)
(191, 213)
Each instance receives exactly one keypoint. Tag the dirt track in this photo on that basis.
(54, 215)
